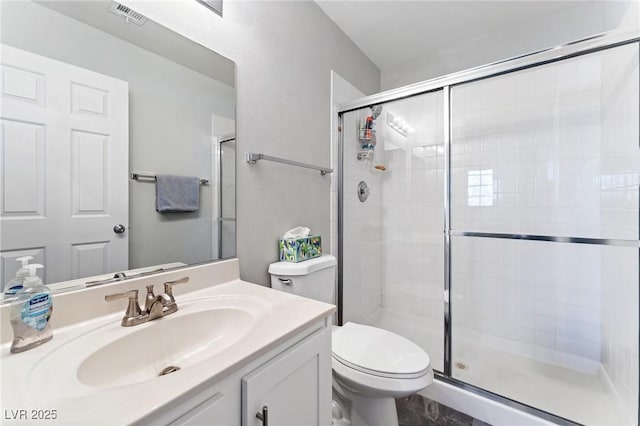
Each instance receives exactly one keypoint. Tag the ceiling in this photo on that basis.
(151, 36)
(394, 32)
(415, 40)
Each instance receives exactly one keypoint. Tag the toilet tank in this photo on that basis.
(314, 278)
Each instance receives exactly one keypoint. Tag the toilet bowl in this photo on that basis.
(371, 366)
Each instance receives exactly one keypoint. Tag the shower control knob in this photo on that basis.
(363, 191)
(119, 229)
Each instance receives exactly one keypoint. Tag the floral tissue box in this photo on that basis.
(299, 249)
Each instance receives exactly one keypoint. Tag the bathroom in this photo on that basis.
(298, 70)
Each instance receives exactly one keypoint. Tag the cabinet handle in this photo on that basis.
(264, 416)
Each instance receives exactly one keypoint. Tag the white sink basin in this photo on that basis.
(172, 342)
(114, 356)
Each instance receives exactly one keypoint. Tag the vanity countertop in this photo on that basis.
(32, 382)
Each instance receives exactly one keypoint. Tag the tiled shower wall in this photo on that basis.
(620, 180)
(413, 209)
(393, 243)
(620, 325)
(540, 134)
(362, 243)
(540, 295)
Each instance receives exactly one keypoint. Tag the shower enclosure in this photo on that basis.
(498, 226)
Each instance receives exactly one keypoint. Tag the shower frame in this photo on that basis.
(574, 49)
(220, 219)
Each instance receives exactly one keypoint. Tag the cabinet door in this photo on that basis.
(212, 405)
(295, 386)
(213, 411)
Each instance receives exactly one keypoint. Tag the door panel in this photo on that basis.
(23, 162)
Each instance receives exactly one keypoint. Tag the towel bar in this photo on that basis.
(252, 158)
(138, 176)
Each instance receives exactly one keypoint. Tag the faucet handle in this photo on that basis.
(149, 298)
(133, 309)
(168, 287)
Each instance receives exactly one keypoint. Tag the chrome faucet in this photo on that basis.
(154, 306)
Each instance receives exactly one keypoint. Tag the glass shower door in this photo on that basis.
(545, 169)
(392, 246)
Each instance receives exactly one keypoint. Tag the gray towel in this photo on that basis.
(177, 193)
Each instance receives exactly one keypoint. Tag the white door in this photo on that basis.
(64, 141)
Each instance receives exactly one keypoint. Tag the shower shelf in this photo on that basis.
(366, 144)
(378, 171)
(363, 138)
(367, 141)
(365, 154)
(371, 141)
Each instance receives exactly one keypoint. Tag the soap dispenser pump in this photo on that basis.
(12, 287)
(31, 313)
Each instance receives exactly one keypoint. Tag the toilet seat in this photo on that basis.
(379, 352)
(378, 373)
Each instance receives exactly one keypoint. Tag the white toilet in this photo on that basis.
(371, 366)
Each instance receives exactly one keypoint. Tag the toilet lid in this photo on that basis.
(379, 352)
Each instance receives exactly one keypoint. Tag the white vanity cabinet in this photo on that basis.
(295, 387)
(293, 381)
(238, 347)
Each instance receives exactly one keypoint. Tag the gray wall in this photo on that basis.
(284, 52)
(171, 109)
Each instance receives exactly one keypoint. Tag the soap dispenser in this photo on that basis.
(31, 312)
(12, 287)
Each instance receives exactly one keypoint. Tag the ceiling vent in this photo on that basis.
(127, 13)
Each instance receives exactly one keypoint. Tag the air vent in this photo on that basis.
(127, 13)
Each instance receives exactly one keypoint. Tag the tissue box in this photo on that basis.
(299, 249)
